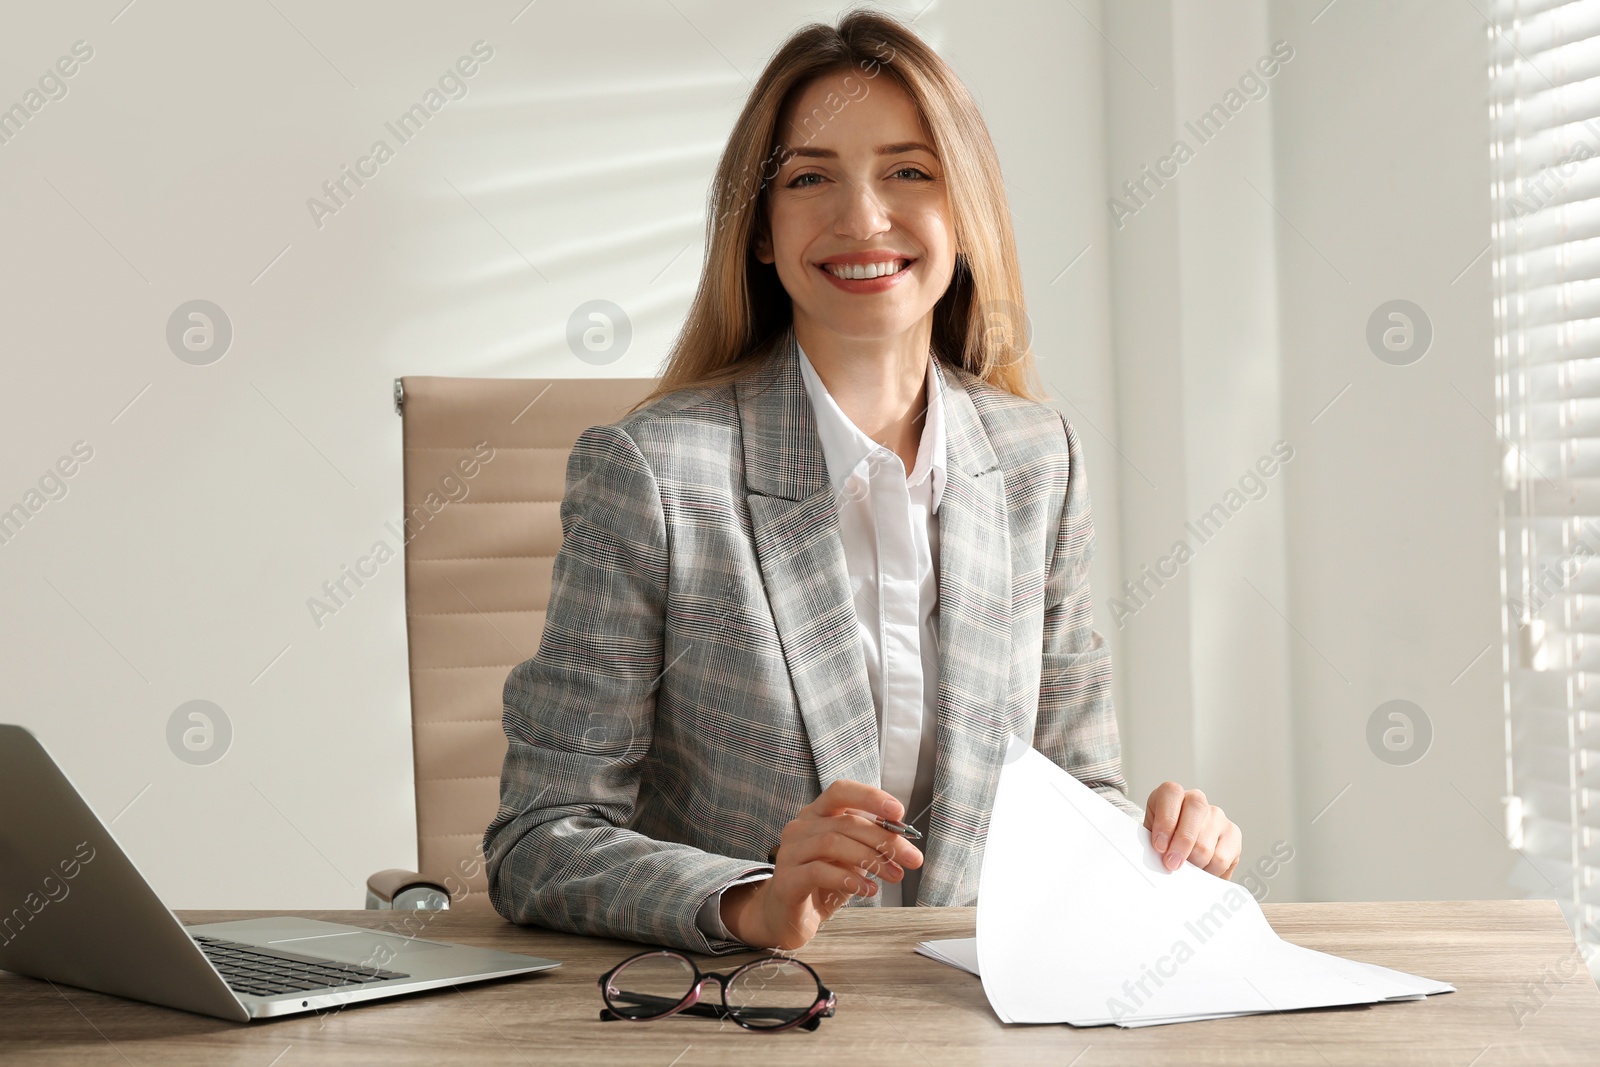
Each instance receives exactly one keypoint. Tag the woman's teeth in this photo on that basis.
(862, 271)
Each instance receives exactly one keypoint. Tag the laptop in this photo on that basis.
(75, 910)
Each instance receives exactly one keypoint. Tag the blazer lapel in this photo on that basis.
(974, 652)
(796, 532)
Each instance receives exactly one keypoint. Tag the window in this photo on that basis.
(1544, 99)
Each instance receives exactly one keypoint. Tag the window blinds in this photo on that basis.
(1544, 100)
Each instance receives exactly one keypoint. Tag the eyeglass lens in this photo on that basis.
(650, 986)
(771, 993)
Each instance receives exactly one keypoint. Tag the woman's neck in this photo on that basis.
(880, 384)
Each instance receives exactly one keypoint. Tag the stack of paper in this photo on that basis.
(1079, 922)
(958, 952)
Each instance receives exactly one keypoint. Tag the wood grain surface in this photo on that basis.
(1522, 996)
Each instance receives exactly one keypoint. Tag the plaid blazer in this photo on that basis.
(699, 680)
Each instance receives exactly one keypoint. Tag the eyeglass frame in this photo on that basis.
(691, 1003)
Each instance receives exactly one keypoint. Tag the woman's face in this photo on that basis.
(840, 200)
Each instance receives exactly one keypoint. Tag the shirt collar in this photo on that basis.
(845, 447)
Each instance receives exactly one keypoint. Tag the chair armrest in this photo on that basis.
(405, 891)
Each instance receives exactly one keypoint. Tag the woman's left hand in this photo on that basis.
(1184, 826)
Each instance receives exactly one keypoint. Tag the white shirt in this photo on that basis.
(888, 523)
(889, 529)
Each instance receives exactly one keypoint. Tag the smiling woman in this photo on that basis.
(813, 583)
(813, 92)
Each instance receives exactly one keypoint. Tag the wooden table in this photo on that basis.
(895, 1007)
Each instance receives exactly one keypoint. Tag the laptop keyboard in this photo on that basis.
(263, 973)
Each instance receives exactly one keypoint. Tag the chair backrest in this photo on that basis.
(485, 472)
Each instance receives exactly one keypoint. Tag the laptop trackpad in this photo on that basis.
(358, 946)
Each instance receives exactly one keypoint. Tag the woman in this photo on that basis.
(832, 563)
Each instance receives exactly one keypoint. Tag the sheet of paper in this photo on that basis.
(1079, 922)
(959, 952)
(962, 954)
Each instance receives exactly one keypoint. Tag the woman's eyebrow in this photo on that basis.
(883, 150)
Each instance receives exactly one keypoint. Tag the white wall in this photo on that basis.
(1383, 167)
(178, 565)
(1368, 572)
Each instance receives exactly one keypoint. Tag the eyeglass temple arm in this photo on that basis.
(717, 1011)
(813, 1023)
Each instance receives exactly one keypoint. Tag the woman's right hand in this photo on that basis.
(823, 858)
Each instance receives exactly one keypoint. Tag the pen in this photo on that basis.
(904, 829)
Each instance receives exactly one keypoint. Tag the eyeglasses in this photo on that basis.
(769, 994)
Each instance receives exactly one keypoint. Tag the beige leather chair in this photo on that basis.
(485, 471)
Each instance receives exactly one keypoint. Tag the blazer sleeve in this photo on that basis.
(1077, 725)
(578, 719)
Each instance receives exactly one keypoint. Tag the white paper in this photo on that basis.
(1079, 922)
(962, 954)
(959, 952)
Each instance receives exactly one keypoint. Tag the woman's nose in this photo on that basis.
(862, 214)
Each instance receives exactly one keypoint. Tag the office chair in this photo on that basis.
(485, 470)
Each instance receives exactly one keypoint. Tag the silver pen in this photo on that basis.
(904, 829)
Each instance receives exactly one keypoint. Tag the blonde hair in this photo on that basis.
(740, 306)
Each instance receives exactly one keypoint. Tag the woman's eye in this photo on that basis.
(800, 182)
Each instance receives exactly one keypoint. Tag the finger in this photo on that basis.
(1224, 861)
(845, 794)
(888, 845)
(886, 842)
(1210, 839)
(1161, 813)
(838, 847)
(1192, 821)
(1229, 847)
(831, 886)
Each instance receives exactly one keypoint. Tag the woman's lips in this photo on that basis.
(869, 285)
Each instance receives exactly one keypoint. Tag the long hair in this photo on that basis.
(740, 306)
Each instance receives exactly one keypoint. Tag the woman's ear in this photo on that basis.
(763, 248)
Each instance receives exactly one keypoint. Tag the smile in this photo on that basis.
(867, 277)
